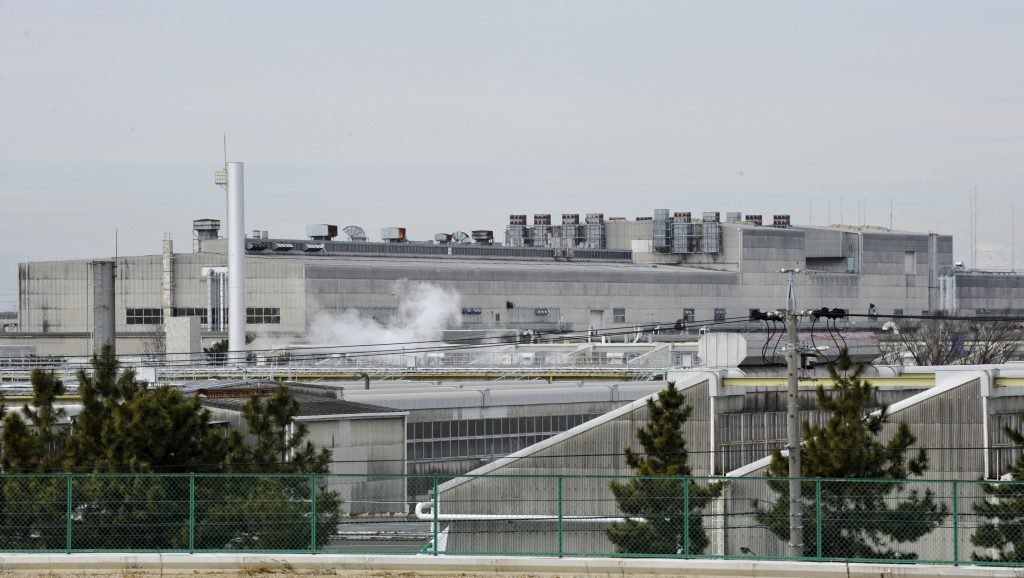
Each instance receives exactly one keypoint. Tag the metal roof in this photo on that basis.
(310, 406)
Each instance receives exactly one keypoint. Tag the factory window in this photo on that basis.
(618, 315)
(688, 315)
(897, 312)
(472, 315)
(263, 315)
(719, 314)
(144, 316)
(199, 312)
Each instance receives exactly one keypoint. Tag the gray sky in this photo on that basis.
(443, 116)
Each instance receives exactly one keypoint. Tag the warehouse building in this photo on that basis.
(564, 503)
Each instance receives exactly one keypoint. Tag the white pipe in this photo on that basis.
(423, 514)
(985, 383)
(236, 263)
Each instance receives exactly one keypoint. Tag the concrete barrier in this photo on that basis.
(165, 565)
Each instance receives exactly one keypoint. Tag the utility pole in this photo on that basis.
(793, 352)
(796, 510)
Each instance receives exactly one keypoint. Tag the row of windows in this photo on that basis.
(151, 316)
(263, 315)
(472, 448)
(493, 427)
(144, 316)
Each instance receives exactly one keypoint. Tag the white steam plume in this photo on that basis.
(424, 312)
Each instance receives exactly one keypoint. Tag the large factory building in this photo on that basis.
(599, 274)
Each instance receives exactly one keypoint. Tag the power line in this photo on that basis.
(467, 343)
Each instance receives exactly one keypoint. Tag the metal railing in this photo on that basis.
(919, 521)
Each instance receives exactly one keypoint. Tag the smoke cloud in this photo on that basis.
(424, 312)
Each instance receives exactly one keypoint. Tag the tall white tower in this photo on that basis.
(234, 180)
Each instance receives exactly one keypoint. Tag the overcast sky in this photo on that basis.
(443, 116)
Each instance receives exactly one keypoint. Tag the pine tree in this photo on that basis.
(1003, 513)
(32, 437)
(33, 441)
(662, 500)
(859, 520)
(260, 506)
(128, 426)
(281, 443)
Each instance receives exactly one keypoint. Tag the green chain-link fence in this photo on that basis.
(864, 520)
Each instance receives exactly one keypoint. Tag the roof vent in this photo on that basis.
(322, 232)
(355, 233)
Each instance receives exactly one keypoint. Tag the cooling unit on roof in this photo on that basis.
(355, 233)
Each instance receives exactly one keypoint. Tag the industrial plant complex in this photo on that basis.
(606, 273)
(433, 370)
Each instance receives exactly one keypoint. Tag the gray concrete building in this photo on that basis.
(705, 276)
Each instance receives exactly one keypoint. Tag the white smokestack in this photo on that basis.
(236, 262)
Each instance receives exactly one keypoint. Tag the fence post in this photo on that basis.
(561, 529)
(956, 523)
(686, 516)
(817, 516)
(312, 513)
(192, 512)
(69, 514)
(434, 510)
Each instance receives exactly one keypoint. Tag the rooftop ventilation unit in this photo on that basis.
(322, 232)
(593, 231)
(355, 233)
(712, 217)
(461, 238)
(393, 234)
(442, 238)
(542, 231)
(483, 237)
(255, 246)
(661, 230)
(206, 229)
(681, 217)
(570, 219)
(733, 217)
(518, 234)
(283, 247)
(314, 248)
(781, 221)
(754, 220)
